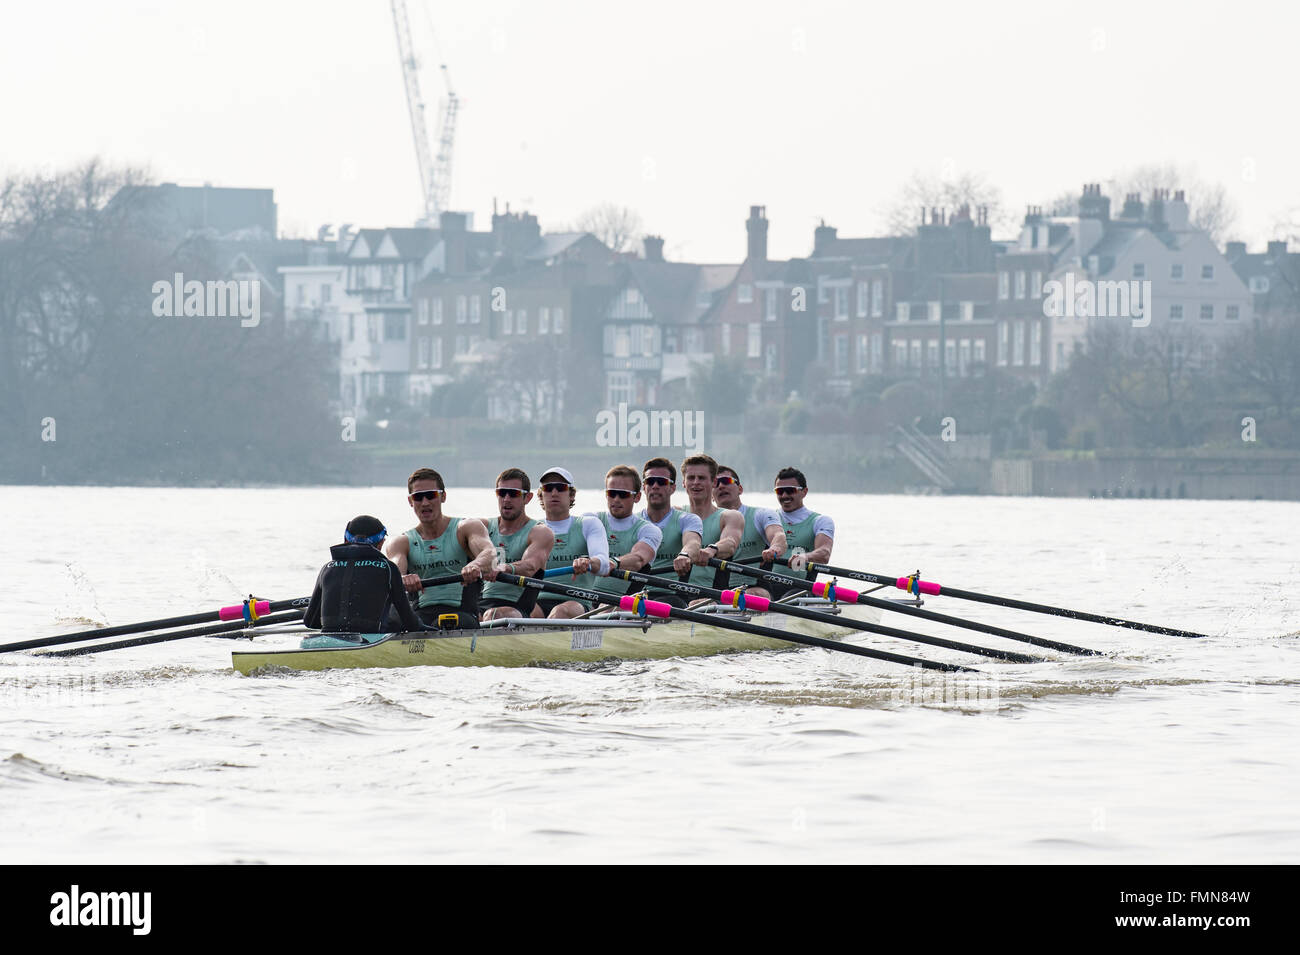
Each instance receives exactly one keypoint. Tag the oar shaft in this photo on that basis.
(215, 630)
(807, 613)
(714, 620)
(767, 576)
(902, 583)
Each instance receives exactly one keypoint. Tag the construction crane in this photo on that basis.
(435, 172)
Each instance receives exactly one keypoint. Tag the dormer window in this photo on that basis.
(1139, 270)
(745, 293)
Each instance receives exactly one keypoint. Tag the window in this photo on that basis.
(1207, 273)
(437, 353)
(949, 357)
(1232, 313)
(1259, 284)
(543, 320)
(508, 322)
(932, 353)
(619, 385)
(755, 341)
(1139, 270)
(1175, 313)
(1018, 345)
(1207, 313)
(1004, 285)
(769, 358)
(394, 328)
(475, 309)
(1176, 270)
(1004, 339)
(724, 338)
(903, 311)
(934, 311)
(841, 354)
(877, 298)
(1020, 284)
(744, 293)
(1036, 343)
(979, 351)
(633, 296)
(877, 352)
(900, 355)
(1036, 284)
(622, 342)
(557, 321)
(916, 353)
(841, 304)
(422, 311)
(769, 304)
(863, 288)
(968, 311)
(462, 309)
(422, 346)
(521, 322)
(862, 354)
(437, 311)
(963, 358)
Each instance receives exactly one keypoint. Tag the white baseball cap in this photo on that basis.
(562, 472)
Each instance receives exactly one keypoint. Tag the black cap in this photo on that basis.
(365, 530)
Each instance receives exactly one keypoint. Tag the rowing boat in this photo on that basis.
(521, 641)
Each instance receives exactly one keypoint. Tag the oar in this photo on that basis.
(235, 629)
(916, 586)
(249, 611)
(852, 596)
(655, 608)
(744, 601)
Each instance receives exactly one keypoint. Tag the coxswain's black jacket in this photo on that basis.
(354, 592)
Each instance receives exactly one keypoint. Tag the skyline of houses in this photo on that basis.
(556, 320)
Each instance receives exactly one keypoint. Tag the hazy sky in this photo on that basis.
(687, 112)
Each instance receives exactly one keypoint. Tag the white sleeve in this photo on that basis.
(824, 525)
(692, 522)
(763, 519)
(593, 531)
(651, 535)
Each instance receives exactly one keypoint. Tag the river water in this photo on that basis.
(1165, 750)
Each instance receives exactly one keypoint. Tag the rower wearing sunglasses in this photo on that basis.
(579, 543)
(680, 528)
(439, 545)
(764, 536)
(522, 547)
(813, 533)
(633, 540)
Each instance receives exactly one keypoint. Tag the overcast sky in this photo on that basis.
(688, 112)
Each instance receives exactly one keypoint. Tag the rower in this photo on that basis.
(681, 529)
(522, 547)
(356, 590)
(762, 526)
(438, 545)
(579, 544)
(723, 529)
(632, 540)
(813, 533)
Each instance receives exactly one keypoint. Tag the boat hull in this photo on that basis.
(555, 642)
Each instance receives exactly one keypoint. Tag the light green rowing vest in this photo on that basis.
(436, 558)
(569, 546)
(510, 548)
(800, 534)
(752, 542)
(620, 543)
(703, 576)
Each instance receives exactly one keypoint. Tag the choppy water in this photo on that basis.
(1167, 750)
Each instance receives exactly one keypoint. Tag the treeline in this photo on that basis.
(96, 388)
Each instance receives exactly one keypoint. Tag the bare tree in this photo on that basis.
(921, 191)
(616, 226)
(1212, 211)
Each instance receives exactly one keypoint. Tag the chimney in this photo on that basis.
(756, 230)
(1176, 212)
(1133, 208)
(452, 222)
(1157, 207)
(346, 235)
(1234, 250)
(1277, 250)
(1092, 204)
(823, 237)
(654, 248)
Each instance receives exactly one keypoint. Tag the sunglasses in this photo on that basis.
(425, 495)
(555, 486)
(509, 492)
(618, 493)
(723, 480)
(788, 489)
(656, 481)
